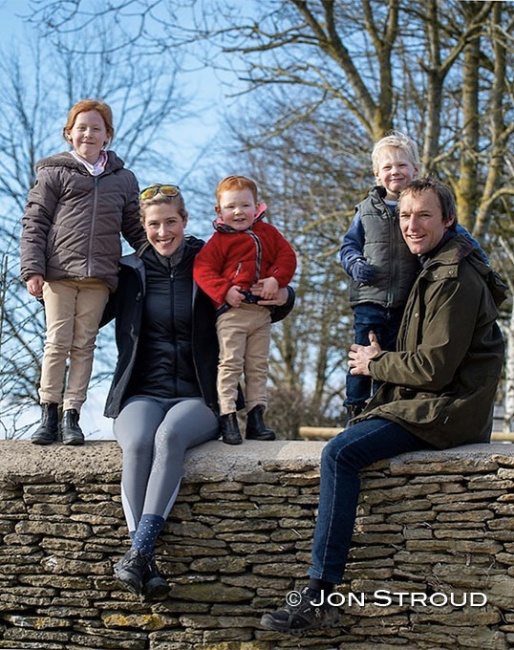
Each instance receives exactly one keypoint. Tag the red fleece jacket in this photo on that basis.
(234, 258)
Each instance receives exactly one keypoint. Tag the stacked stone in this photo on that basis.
(431, 565)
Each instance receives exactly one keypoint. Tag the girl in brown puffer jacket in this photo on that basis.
(70, 249)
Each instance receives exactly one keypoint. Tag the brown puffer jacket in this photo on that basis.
(73, 220)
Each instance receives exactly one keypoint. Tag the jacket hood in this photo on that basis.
(65, 159)
(498, 288)
(459, 248)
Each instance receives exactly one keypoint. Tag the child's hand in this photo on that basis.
(35, 286)
(363, 272)
(234, 296)
(269, 288)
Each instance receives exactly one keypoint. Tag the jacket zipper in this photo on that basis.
(172, 300)
(92, 231)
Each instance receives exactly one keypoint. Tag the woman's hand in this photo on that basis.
(280, 299)
(35, 286)
(361, 355)
(269, 288)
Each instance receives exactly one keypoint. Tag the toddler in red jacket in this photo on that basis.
(244, 262)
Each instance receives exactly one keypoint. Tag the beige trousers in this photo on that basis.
(244, 338)
(73, 309)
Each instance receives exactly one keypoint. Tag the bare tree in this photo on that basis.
(322, 80)
(145, 102)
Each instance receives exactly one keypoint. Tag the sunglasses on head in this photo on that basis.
(165, 190)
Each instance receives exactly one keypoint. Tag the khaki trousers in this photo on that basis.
(244, 335)
(73, 309)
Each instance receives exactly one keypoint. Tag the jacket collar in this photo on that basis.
(65, 159)
(445, 264)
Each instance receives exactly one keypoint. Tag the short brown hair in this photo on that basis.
(236, 183)
(443, 192)
(89, 105)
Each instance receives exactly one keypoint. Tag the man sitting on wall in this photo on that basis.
(438, 391)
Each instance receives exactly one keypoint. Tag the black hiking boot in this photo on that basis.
(131, 570)
(155, 586)
(303, 615)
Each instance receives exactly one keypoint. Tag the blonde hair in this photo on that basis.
(398, 140)
(177, 201)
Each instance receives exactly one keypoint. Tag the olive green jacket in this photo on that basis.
(441, 382)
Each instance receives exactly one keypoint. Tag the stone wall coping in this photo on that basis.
(213, 461)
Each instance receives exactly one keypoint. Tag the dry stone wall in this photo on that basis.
(432, 565)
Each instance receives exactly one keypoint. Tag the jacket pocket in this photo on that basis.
(421, 409)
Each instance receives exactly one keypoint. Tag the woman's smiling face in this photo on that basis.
(164, 227)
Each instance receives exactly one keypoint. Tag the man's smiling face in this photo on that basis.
(421, 221)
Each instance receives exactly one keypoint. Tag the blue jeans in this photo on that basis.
(353, 449)
(385, 323)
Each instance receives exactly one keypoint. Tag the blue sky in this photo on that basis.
(189, 138)
(210, 95)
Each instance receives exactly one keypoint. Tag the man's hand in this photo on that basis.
(360, 356)
(35, 286)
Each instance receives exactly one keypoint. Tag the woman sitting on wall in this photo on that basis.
(163, 393)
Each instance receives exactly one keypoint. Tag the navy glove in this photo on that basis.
(363, 272)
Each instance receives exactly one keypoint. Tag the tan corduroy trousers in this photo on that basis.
(73, 309)
(244, 338)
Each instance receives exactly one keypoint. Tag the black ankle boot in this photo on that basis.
(255, 427)
(47, 431)
(230, 429)
(71, 433)
(130, 571)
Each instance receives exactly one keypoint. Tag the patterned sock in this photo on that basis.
(147, 532)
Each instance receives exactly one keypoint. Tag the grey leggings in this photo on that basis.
(154, 435)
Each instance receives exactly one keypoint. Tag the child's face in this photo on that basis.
(395, 171)
(164, 227)
(88, 135)
(237, 208)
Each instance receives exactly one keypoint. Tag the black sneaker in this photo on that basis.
(302, 617)
(155, 586)
(130, 571)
